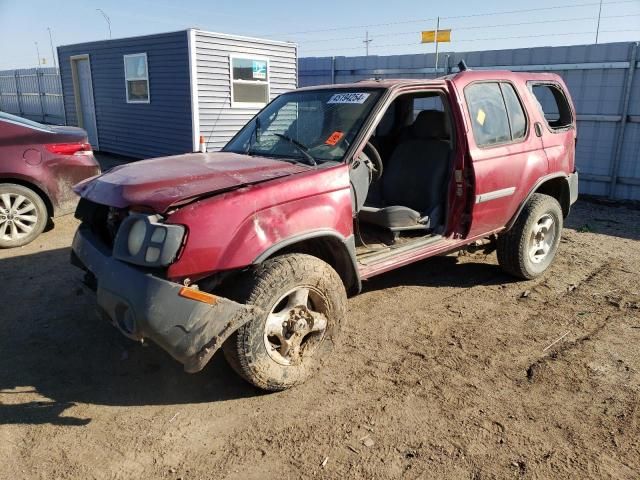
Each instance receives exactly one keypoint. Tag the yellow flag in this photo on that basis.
(429, 36)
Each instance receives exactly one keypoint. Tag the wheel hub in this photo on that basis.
(542, 238)
(292, 326)
(18, 216)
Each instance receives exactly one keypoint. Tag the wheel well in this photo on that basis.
(557, 188)
(45, 198)
(331, 250)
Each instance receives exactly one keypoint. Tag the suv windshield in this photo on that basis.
(311, 126)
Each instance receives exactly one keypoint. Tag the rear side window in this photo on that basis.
(489, 120)
(553, 105)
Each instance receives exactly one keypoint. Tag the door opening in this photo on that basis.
(83, 94)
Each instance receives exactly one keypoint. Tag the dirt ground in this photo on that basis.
(446, 368)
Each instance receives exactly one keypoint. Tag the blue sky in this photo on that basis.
(327, 27)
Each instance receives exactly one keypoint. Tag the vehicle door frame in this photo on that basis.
(75, 79)
(458, 188)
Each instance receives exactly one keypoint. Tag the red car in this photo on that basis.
(255, 248)
(39, 164)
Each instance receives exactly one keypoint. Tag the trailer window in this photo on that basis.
(136, 78)
(553, 105)
(249, 82)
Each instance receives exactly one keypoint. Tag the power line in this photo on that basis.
(474, 27)
(399, 34)
(504, 12)
(590, 32)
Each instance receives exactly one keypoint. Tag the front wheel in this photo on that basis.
(530, 246)
(23, 215)
(303, 301)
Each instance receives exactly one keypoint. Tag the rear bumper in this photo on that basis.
(142, 305)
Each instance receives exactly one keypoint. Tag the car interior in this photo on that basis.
(404, 199)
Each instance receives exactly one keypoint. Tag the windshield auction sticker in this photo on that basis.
(348, 98)
(334, 138)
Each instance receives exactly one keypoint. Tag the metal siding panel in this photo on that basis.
(40, 96)
(219, 122)
(161, 127)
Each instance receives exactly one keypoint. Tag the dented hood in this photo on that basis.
(161, 183)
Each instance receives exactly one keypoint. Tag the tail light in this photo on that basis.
(69, 148)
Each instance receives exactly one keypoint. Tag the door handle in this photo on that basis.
(538, 128)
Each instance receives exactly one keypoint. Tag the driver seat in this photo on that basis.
(415, 178)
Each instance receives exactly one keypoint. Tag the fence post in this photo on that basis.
(16, 76)
(40, 94)
(623, 121)
(333, 70)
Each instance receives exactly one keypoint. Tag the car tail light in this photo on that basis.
(69, 148)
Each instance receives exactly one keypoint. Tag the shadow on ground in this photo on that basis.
(54, 346)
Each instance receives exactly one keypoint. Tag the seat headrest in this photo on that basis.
(430, 124)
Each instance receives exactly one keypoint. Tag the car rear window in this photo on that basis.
(23, 121)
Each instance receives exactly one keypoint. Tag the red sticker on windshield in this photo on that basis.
(334, 138)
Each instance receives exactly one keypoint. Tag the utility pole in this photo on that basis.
(598, 27)
(37, 53)
(53, 54)
(367, 41)
(107, 19)
(436, 39)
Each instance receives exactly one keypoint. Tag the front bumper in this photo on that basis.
(142, 305)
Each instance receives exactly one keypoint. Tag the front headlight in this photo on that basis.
(136, 237)
(144, 240)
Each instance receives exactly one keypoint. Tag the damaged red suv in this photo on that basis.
(255, 248)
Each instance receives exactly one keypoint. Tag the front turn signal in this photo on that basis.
(197, 295)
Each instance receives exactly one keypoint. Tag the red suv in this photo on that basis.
(39, 164)
(255, 248)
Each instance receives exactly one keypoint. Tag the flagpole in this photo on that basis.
(437, 28)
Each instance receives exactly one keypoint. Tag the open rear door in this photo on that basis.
(506, 156)
(461, 192)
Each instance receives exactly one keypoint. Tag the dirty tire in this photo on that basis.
(264, 287)
(21, 204)
(514, 245)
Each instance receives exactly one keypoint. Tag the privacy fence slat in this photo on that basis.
(34, 93)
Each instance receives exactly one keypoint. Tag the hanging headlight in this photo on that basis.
(144, 240)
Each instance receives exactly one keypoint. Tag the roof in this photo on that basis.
(479, 74)
(382, 83)
(213, 34)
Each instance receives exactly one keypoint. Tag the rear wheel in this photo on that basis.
(23, 215)
(303, 302)
(530, 246)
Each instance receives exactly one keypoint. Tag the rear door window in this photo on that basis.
(489, 120)
(517, 117)
(553, 105)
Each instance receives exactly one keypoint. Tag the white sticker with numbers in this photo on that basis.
(348, 98)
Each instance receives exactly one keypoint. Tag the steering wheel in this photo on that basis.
(372, 153)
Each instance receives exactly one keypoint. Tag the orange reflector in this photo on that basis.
(197, 295)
